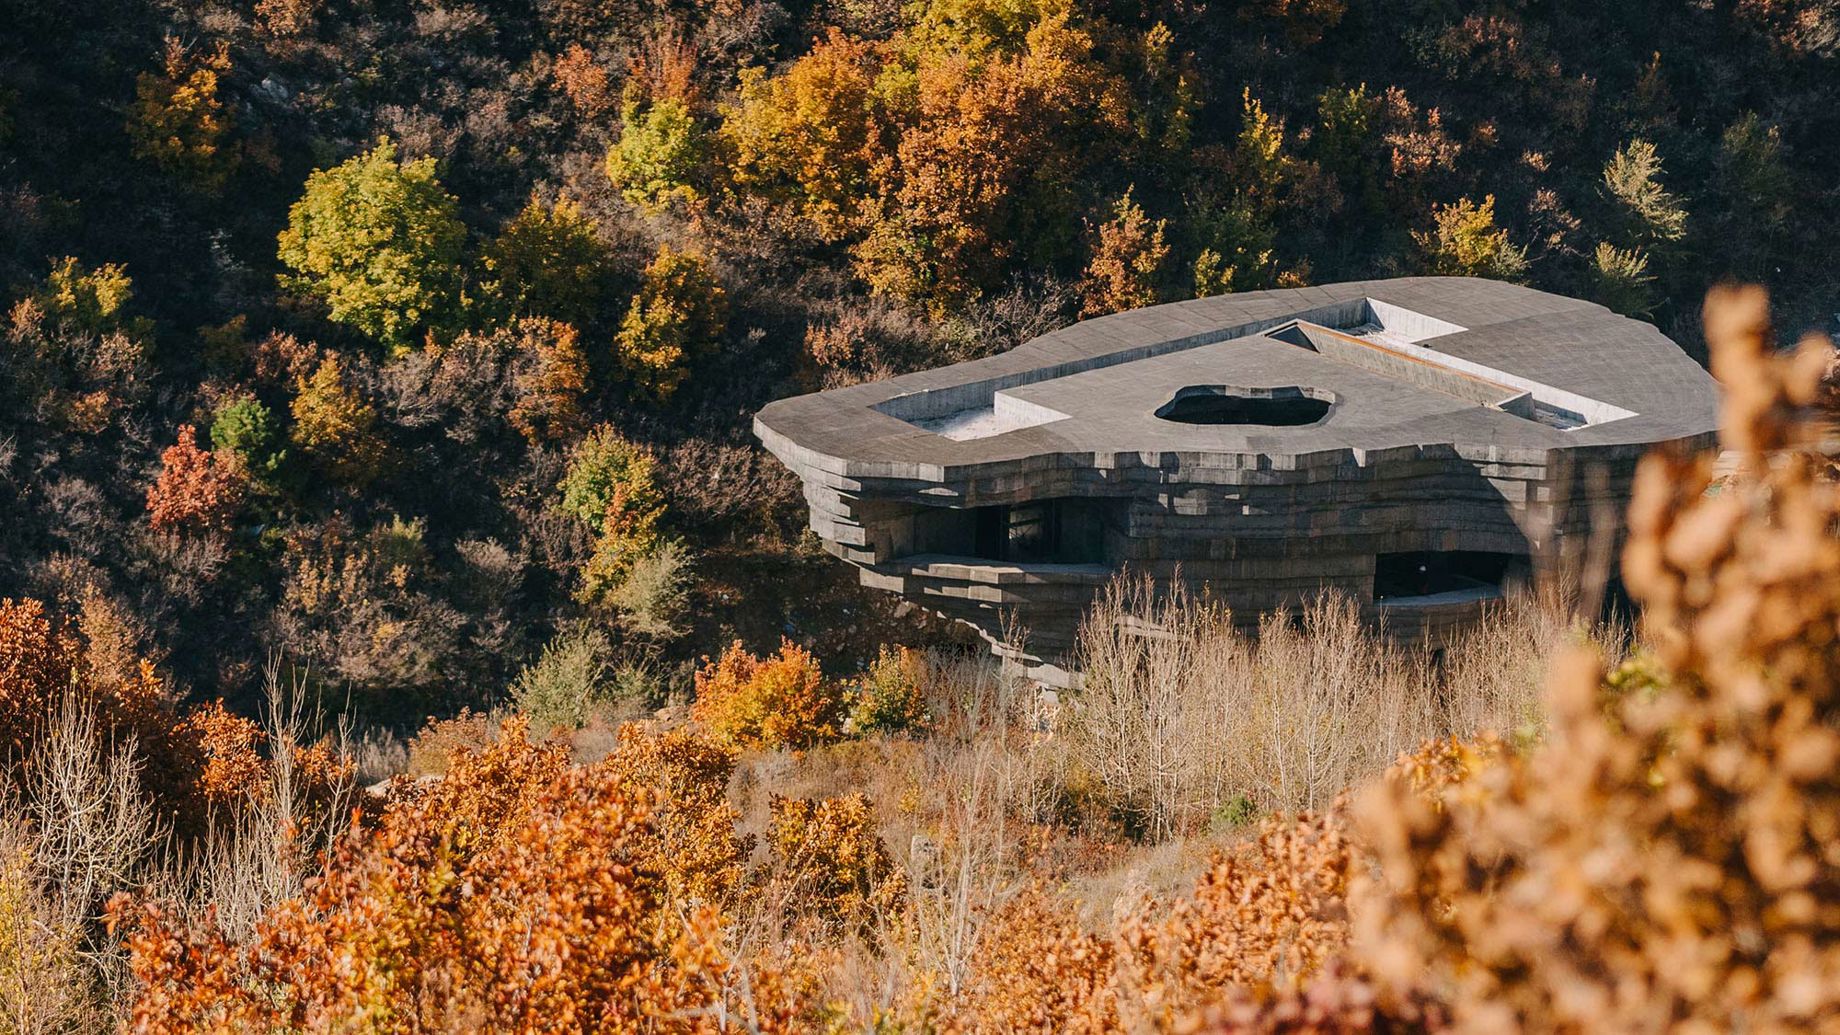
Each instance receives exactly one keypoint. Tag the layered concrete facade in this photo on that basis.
(1413, 443)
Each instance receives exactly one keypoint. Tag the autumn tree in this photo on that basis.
(335, 426)
(889, 697)
(1464, 241)
(72, 354)
(663, 148)
(1167, 88)
(366, 607)
(380, 242)
(197, 490)
(1633, 180)
(1237, 251)
(584, 82)
(179, 122)
(1621, 279)
(287, 18)
(549, 261)
(986, 100)
(1233, 214)
(549, 381)
(809, 135)
(678, 315)
(1417, 142)
(609, 474)
(1259, 162)
(660, 153)
(1127, 258)
(1347, 122)
(612, 487)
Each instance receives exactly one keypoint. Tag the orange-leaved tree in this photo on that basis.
(779, 701)
(517, 894)
(197, 490)
(194, 760)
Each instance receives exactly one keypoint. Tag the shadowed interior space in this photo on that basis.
(1268, 407)
(1402, 576)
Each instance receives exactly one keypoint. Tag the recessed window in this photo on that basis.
(1057, 531)
(1286, 407)
(1400, 577)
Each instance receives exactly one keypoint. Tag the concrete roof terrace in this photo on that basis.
(1489, 369)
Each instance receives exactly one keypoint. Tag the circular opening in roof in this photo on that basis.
(1287, 407)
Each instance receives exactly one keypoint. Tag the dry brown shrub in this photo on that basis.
(1258, 937)
(1036, 970)
(45, 985)
(1176, 725)
(829, 865)
(1263, 919)
(281, 359)
(509, 896)
(1667, 860)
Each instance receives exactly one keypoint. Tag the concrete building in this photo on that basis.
(1415, 443)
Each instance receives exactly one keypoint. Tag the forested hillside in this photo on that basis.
(335, 329)
(401, 632)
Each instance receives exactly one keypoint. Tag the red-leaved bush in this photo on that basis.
(196, 490)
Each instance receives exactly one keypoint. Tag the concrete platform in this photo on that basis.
(1341, 428)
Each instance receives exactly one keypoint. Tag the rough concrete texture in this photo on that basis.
(1470, 424)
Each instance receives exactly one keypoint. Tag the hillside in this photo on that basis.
(400, 629)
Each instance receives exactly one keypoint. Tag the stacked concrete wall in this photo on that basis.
(1468, 416)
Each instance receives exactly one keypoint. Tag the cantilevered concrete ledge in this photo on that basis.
(1459, 428)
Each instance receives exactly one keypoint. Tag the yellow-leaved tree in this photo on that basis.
(679, 314)
(380, 242)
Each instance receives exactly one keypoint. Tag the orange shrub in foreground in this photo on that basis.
(693, 846)
(1264, 918)
(779, 701)
(830, 864)
(1674, 867)
(1037, 970)
(1261, 925)
(511, 896)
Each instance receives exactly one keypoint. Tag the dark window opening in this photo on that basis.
(1423, 574)
(1045, 532)
(1267, 407)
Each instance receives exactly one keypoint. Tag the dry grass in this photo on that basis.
(1184, 722)
(78, 828)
